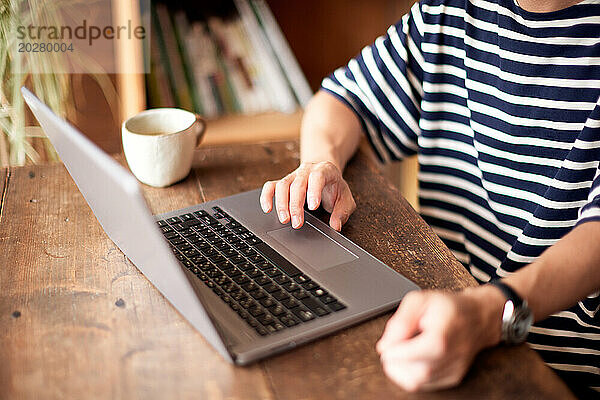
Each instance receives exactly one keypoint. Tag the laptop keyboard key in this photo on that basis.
(250, 286)
(248, 252)
(302, 279)
(263, 265)
(254, 273)
(256, 311)
(310, 285)
(216, 258)
(304, 315)
(176, 240)
(277, 310)
(315, 306)
(237, 259)
(319, 292)
(246, 303)
(263, 280)
(241, 279)
(262, 331)
(223, 265)
(271, 287)
(179, 227)
(273, 272)
(290, 303)
(266, 319)
(268, 302)
(281, 279)
(239, 245)
(336, 306)
(232, 272)
(258, 294)
(245, 266)
(256, 259)
(289, 320)
(280, 295)
(290, 286)
(327, 299)
(300, 294)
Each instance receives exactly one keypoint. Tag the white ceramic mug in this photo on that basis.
(159, 144)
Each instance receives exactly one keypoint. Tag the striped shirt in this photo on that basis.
(502, 107)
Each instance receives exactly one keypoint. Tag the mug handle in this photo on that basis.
(202, 121)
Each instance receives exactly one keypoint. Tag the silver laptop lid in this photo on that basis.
(116, 200)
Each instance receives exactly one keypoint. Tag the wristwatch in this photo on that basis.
(516, 315)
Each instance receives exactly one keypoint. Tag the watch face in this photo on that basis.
(523, 318)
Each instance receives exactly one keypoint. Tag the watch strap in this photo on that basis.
(508, 292)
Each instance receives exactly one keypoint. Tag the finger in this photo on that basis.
(404, 324)
(282, 199)
(316, 183)
(297, 198)
(342, 209)
(266, 196)
(409, 376)
(425, 347)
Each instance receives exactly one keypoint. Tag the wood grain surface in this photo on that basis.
(77, 319)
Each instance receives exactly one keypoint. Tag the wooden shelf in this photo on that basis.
(253, 128)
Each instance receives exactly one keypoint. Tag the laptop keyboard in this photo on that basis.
(264, 288)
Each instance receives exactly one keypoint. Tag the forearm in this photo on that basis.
(565, 273)
(330, 131)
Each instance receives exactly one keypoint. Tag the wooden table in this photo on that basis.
(77, 319)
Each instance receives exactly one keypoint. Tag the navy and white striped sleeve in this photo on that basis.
(591, 211)
(590, 140)
(383, 86)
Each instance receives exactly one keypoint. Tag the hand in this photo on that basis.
(317, 183)
(432, 339)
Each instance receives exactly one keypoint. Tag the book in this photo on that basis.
(173, 58)
(153, 90)
(199, 48)
(181, 28)
(228, 94)
(164, 74)
(251, 67)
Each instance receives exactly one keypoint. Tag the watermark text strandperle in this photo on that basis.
(82, 32)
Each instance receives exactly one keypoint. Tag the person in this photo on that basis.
(501, 101)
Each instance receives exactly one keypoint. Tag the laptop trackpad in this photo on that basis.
(313, 247)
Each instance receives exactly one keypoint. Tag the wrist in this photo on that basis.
(489, 302)
(322, 157)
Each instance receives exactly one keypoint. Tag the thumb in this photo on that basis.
(343, 208)
(405, 323)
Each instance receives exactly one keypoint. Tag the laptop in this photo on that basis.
(250, 285)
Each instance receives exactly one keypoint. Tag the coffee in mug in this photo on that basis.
(159, 144)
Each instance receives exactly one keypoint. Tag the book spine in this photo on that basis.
(182, 27)
(251, 68)
(200, 51)
(227, 88)
(163, 66)
(153, 94)
(182, 93)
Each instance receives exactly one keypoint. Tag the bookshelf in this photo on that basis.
(224, 129)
